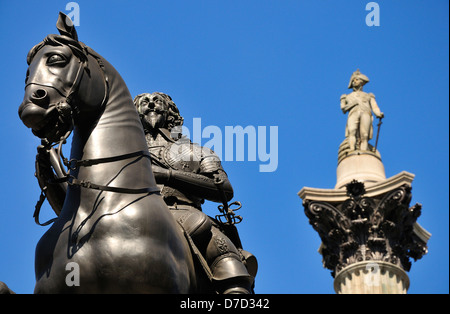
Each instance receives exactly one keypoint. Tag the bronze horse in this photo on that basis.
(113, 224)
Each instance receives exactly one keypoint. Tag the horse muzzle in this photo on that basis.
(51, 124)
(35, 116)
(46, 117)
(38, 106)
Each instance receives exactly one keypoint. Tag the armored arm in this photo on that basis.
(200, 184)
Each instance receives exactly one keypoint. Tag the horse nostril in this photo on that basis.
(39, 97)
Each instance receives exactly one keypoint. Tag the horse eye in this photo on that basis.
(56, 59)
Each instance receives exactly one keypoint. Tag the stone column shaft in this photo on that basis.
(371, 277)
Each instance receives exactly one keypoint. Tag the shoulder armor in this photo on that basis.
(189, 157)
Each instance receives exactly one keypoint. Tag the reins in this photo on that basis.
(74, 164)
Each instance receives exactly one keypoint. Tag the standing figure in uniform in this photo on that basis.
(187, 174)
(359, 106)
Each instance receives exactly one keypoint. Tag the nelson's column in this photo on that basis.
(368, 229)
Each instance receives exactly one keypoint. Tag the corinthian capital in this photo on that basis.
(379, 227)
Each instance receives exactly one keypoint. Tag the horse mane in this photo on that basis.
(78, 48)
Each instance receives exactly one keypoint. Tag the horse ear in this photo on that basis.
(66, 27)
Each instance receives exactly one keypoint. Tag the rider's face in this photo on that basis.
(155, 110)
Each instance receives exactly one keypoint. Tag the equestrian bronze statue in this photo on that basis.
(111, 218)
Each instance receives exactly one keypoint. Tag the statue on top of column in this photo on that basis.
(359, 106)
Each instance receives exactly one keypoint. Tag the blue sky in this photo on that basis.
(255, 63)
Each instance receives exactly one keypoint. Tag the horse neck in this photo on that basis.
(118, 131)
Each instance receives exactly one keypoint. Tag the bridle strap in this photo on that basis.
(71, 180)
(75, 86)
(73, 164)
(89, 185)
(62, 111)
(37, 210)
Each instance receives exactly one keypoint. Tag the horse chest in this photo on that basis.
(108, 247)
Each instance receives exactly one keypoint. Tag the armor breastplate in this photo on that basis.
(182, 155)
(177, 155)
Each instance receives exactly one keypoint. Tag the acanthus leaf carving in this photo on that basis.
(378, 228)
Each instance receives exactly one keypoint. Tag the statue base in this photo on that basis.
(363, 166)
(371, 277)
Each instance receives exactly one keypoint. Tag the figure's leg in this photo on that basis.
(364, 129)
(352, 126)
(230, 274)
(196, 223)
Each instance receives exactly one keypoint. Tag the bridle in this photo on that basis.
(68, 110)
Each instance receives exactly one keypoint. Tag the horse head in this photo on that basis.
(113, 217)
(65, 84)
